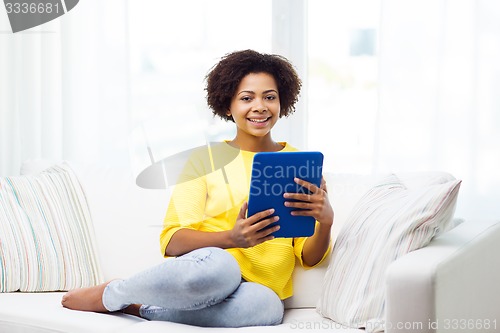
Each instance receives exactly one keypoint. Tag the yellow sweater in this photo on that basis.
(209, 199)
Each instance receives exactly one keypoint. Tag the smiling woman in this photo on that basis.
(230, 279)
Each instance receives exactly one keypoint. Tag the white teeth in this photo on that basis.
(258, 120)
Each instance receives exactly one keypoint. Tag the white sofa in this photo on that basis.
(435, 289)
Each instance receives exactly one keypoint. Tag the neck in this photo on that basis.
(259, 144)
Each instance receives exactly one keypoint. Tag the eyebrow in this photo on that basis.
(253, 92)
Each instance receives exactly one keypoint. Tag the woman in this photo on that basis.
(226, 269)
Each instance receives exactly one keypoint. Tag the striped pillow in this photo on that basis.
(46, 234)
(387, 222)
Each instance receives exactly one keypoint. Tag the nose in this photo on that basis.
(259, 105)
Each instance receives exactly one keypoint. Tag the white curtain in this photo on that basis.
(439, 100)
(65, 92)
(64, 88)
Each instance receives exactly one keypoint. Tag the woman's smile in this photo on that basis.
(259, 122)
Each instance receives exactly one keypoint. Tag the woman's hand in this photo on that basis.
(315, 204)
(248, 232)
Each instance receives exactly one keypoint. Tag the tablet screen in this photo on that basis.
(273, 175)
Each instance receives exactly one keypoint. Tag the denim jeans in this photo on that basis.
(202, 288)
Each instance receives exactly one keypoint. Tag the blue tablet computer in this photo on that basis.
(272, 176)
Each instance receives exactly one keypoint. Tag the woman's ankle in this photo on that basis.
(133, 309)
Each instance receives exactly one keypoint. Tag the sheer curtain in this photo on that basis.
(94, 84)
(171, 50)
(64, 88)
(439, 106)
(421, 95)
(401, 86)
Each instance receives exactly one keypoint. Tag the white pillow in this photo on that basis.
(387, 222)
(47, 240)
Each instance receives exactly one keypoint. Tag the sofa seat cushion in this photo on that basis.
(43, 313)
(295, 320)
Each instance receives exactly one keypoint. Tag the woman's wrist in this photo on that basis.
(227, 239)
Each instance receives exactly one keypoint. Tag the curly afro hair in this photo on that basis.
(224, 78)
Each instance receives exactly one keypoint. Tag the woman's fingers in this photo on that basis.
(255, 229)
(315, 203)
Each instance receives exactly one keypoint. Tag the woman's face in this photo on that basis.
(255, 107)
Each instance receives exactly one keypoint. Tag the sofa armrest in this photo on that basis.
(451, 285)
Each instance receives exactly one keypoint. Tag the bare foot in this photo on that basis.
(85, 299)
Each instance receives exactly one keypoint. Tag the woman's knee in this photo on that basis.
(224, 261)
(219, 271)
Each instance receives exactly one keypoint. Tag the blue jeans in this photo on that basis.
(202, 288)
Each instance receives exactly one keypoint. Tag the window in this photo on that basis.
(342, 82)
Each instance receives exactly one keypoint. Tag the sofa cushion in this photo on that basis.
(387, 222)
(123, 214)
(43, 313)
(294, 320)
(344, 191)
(47, 241)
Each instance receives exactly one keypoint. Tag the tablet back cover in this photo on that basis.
(272, 176)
